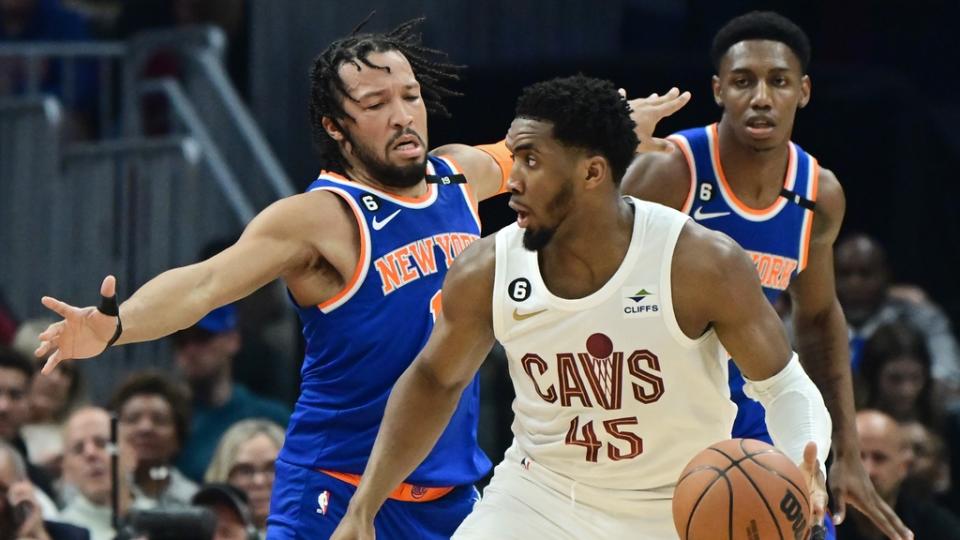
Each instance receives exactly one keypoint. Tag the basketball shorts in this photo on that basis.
(308, 504)
(526, 501)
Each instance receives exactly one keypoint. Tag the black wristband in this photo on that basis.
(818, 532)
(108, 306)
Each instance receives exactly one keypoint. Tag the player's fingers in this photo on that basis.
(52, 363)
(672, 105)
(43, 349)
(622, 92)
(886, 520)
(51, 332)
(109, 286)
(840, 505)
(58, 307)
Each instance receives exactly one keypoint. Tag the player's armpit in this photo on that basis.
(487, 167)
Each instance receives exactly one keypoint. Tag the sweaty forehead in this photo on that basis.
(760, 55)
(359, 77)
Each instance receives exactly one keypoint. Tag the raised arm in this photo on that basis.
(825, 353)
(279, 242)
(752, 334)
(487, 167)
(426, 395)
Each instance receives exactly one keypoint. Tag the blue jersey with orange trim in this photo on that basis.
(359, 342)
(777, 237)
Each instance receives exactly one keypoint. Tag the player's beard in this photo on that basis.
(535, 239)
(385, 173)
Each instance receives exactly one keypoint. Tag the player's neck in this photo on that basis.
(756, 176)
(360, 175)
(587, 250)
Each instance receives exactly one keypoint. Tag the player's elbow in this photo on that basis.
(432, 378)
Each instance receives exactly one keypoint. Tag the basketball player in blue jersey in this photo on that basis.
(363, 253)
(744, 177)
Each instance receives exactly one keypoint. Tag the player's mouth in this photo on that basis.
(408, 146)
(523, 214)
(760, 127)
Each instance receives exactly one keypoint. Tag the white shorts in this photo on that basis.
(525, 501)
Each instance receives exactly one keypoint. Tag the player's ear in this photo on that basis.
(804, 91)
(715, 83)
(596, 170)
(332, 128)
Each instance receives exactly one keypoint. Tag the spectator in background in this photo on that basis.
(885, 453)
(50, 400)
(154, 420)
(16, 372)
(244, 459)
(928, 475)
(230, 506)
(86, 470)
(204, 353)
(894, 376)
(16, 491)
(863, 287)
(48, 20)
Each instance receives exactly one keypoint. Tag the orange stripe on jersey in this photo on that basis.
(692, 167)
(361, 259)
(726, 185)
(404, 492)
(422, 198)
(808, 228)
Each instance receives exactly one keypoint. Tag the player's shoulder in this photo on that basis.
(469, 282)
(305, 214)
(662, 177)
(708, 254)
(831, 205)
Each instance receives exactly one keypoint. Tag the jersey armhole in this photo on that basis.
(363, 259)
(808, 215)
(666, 285)
(465, 188)
(684, 145)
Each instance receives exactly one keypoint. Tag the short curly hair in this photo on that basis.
(586, 113)
(327, 90)
(154, 383)
(761, 25)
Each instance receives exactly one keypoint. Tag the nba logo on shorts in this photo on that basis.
(323, 500)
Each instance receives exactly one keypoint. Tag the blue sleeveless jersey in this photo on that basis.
(359, 342)
(777, 237)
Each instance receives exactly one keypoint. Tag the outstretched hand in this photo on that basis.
(849, 483)
(647, 113)
(83, 332)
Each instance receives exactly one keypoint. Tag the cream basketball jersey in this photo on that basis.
(610, 392)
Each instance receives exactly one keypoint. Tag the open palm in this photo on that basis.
(83, 332)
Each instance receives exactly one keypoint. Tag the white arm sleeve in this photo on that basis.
(796, 413)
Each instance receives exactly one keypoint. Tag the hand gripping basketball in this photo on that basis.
(83, 332)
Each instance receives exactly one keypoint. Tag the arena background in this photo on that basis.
(882, 117)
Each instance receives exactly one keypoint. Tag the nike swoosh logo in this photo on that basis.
(377, 225)
(517, 316)
(699, 214)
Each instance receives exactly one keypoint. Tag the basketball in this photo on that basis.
(741, 489)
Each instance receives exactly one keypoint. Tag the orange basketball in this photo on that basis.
(741, 489)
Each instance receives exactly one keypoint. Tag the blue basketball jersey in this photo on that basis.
(359, 342)
(777, 237)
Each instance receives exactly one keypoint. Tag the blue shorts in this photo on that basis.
(308, 505)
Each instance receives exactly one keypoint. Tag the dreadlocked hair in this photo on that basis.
(327, 90)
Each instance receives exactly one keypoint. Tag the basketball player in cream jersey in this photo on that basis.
(615, 315)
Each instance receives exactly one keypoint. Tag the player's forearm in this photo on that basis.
(418, 410)
(825, 354)
(169, 302)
